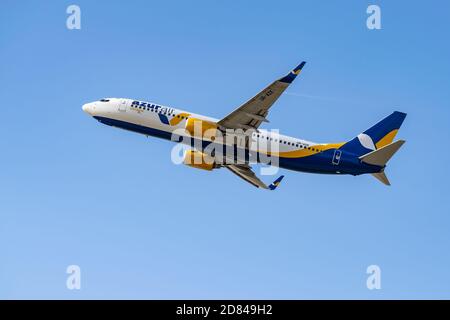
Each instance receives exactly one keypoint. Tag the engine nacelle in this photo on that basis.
(201, 128)
(199, 160)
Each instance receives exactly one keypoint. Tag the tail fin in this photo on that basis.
(376, 137)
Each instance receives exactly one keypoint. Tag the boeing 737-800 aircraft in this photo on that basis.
(366, 153)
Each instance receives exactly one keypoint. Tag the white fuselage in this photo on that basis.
(163, 121)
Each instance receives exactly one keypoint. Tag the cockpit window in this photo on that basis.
(104, 100)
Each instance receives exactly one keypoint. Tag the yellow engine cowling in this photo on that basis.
(201, 129)
(199, 160)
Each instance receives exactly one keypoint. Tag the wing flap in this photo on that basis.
(246, 173)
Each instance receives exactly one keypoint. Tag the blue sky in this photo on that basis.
(76, 192)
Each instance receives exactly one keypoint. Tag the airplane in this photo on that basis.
(367, 153)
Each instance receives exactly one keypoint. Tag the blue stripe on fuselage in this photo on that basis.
(316, 163)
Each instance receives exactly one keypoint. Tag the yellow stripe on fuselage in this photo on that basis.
(314, 149)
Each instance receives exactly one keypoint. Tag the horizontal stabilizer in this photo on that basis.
(381, 156)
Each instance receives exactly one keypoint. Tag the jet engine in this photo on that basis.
(202, 129)
(199, 160)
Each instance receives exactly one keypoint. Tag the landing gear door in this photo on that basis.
(123, 105)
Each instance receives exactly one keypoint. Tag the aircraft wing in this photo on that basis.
(245, 172)
(252, 113)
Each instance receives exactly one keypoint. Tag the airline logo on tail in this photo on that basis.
(377, 136)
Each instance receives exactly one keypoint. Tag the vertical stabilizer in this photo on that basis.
(376, 137)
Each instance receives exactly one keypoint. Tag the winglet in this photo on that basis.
(276, 183)
(293, 74)
(299, 67)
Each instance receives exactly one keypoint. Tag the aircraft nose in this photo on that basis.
(87, 108)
